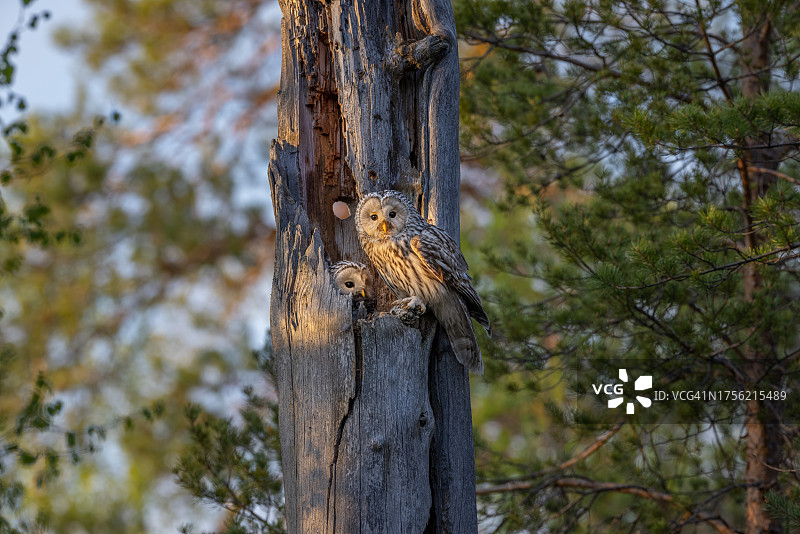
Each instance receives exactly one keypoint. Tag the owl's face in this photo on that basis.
(352, 278)
(382, 216)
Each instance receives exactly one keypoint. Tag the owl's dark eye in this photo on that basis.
(349, 284)
(374, 217)
(392, 214)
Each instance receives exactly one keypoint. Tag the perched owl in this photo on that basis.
(420, 262)
(352, 278)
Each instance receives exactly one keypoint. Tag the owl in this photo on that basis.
(422, 265)
(352, 278)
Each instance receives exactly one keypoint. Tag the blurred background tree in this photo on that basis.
(134, 258)
(31, 441)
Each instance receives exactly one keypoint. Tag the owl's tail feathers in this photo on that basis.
(456, 322)
(473, 303)
(483, 320)
(468, 354)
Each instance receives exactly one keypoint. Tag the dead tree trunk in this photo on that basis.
(375, 422)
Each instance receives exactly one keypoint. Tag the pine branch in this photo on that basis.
(774, 173)
(727, 267)
(783, 508)
(592, 486)
(522, 485)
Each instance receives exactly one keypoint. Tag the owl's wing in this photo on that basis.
(441, 255)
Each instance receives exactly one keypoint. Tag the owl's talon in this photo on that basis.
(408, 309)
(412, 304)
(408, 317)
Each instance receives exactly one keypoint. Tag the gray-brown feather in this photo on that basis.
(441, 251)
(452, 314)
(415, 258)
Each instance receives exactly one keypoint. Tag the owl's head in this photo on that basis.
(352, 278)
(383, 215)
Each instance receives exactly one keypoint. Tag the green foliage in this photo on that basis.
(124, 270)
(236, 466)
(25, 224)
(31, 438)
(624, 238)
(22, 447)
(783, 508)
(103, 312)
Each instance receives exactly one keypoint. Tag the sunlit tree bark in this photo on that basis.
(375, 416)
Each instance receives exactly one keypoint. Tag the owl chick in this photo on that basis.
(352, 278)
(421, 262)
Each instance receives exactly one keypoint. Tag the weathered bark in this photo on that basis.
(375, 422)
(763, 454)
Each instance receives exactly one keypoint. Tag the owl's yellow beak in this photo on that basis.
(363, 293)
(384, 227)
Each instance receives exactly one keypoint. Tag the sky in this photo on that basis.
(52, 88)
